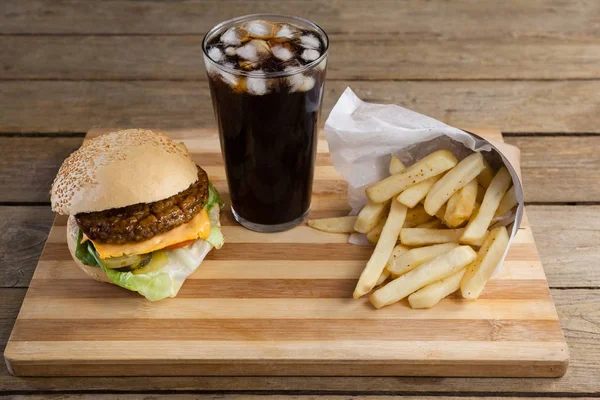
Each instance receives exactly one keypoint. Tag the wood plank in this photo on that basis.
(29, 164)
(458, 19)
(398, 57)
(577, 310)
(512, 106)
(555, 169)
(23, 232)
(559, 169)
(222, 396)
(568, 238)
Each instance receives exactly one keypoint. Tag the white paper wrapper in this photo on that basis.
(362, 138)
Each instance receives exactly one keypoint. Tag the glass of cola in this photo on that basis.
(266, 75)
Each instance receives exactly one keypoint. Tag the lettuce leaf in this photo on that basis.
(213, 198)
(82, 253)
(162, 283)
(215, 238)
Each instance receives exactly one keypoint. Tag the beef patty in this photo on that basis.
(142, 221)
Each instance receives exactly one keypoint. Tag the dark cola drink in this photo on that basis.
(266, 76)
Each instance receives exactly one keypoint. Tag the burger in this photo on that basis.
(142, 214)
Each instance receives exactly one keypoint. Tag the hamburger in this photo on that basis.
(142, 214)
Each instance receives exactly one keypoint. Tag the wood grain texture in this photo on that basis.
(28, 166)
(23, 232)
(577, 310)
(568, 238)
(283, 326)
(560, 169)
(512, 106)
(555, 169)
(390, 56)
(434, 19)
(250, 397)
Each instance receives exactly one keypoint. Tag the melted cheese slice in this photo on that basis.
(197, 228)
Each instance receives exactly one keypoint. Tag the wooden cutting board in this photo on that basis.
(281, 304)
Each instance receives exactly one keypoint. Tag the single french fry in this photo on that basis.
(488, 257)
(398, 251)
(476, 242)
(442, 266)
(460, 206)
(383, 250)
(416, 216)
(396, 165)
(370, 215)
(486, 176)
(433, 224)
(412, 195)
(383, 277)
(431, 165)
(373, 234)
(433, 293)
(478, 225)
(424, 237)
(508, 202)
(412, 258)
(334, 225)
(440, 214)
(463, 173)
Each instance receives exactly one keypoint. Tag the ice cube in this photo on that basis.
(286, 32)
(262, 47)
(260, 29)
(257, 84)
(310, 55)
(247, 65)
(248, 52)
(230, 51)
(215, 54)
(282, 53)
(307, 84)
(233, 36)
(310, 42)
(299, 82)
(228, 78)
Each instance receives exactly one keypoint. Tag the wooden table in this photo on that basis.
(528, 67)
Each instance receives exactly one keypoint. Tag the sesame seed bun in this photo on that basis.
(120, 169)
(93, 272)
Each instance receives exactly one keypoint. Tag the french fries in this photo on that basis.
(508, 202)
(429, 166)
(334, 225)
(463, 173)
(416, 216)
(398, 251)
(417, 192)
(427, 251)
(440, 267)
(493, 195)
(488, 257)
(486, 176)
(383, 277)
(412, 258)
(431, 294)
(373, 234)
(396, 165)
(460, 206)
(370, 215)
(424, 237)
(383, 250)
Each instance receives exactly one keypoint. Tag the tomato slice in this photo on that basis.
(180, 244)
